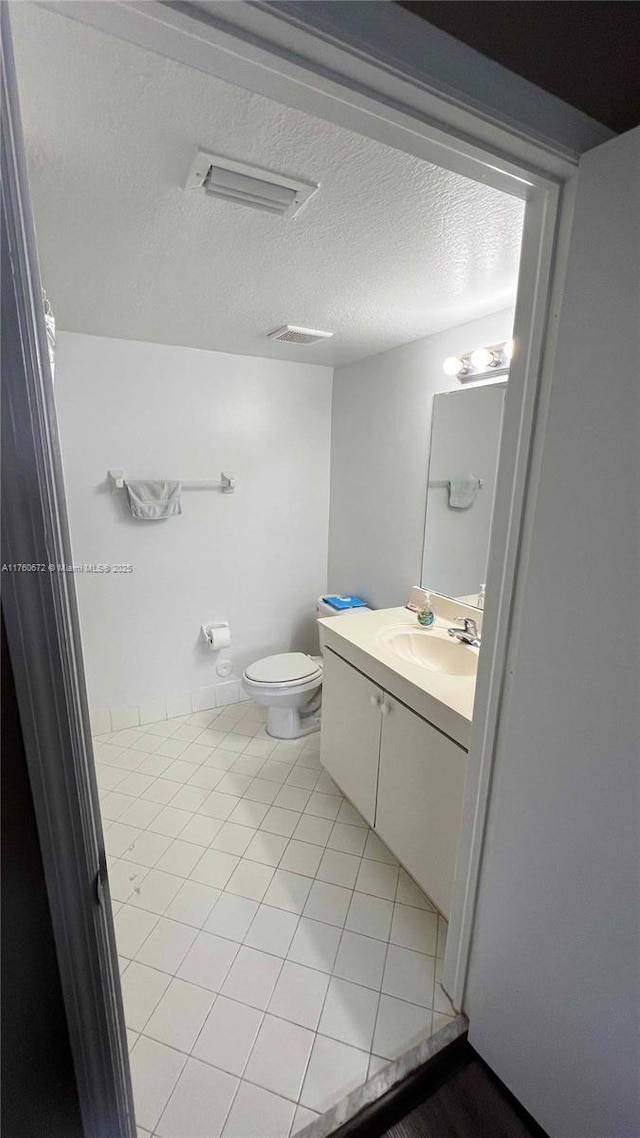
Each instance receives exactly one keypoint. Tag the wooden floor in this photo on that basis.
(454, 1095)
(468, 1105)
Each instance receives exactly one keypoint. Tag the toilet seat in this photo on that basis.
(287, 669)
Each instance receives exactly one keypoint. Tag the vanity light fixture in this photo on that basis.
(482, 362)
(455, 365)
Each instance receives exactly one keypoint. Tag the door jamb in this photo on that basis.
(547, 185)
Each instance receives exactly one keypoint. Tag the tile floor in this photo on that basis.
(273, 953)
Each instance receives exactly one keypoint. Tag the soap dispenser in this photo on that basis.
(426, 615)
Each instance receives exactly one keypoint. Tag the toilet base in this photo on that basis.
(289, 723)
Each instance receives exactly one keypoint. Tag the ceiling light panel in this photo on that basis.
(248, 185)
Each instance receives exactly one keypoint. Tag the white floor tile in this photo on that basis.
(232, 917)
(248, 813)
(233, 742)
(162, 790)
(338, 868)
(323, 805)
(349, 1013)
(262, 790)
(154, 764)
(208, 961)
(192, 904)
(370, 916)
(201, 830)
(408, 893)
(280, 821)
(302, 857)
(279, 1058)
(179, 771)
(349, 814)
(250, 879)
(347, 839)
(228, 1035)
(206, 778)
(142, 989)
(199, 1104)
(399, 1026)
(329, 903)
(303, 1117)
(170, 822)
(262, 748)
(252, 978)
(172, 748)
(275, 771)
(409, 976)
(180, 858)
(214, 868)
(124, 878)
(288, 891)
(314, 830)
(132, 927)
(303, 778)
(155, 1070)
(376, 1065)
(195, 753)
(315, 944)
(361, 959)
(221, 760)
(166, 946)
(235, 783)
(113, 804)
(156, 891)
(414, 928)
(272, 931)
(377, 879)
(110, 777)
(334, 1070)
(299, 995)
(178, 1018)
(120, 838)
(134, 783)
(219, 805)
(266, 848)
(233, 838)
(376, 850)
(248, 764)
(189, 797)
(147, 849)
(257, 1113)
(292, 798)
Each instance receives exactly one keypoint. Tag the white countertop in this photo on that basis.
(445, 701)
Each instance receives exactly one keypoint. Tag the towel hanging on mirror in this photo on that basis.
(463, 492)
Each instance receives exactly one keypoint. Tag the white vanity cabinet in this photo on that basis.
(404, 776)
(350, 736)
(420, 788)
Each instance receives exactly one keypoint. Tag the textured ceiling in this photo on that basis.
(389, 250)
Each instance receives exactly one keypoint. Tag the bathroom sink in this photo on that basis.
(431, 648)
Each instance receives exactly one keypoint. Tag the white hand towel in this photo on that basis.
(152, 500)
(462, 492)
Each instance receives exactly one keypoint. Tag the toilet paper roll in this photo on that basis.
(218, 636)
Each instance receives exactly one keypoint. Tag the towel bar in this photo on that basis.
(227, 483)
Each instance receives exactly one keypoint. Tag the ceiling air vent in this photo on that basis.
(289, 334)
(248, 185)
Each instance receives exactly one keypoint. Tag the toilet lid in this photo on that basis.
(283, 668)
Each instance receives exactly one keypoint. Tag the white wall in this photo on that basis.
(381, 425)
(257, 558)
(553, 988)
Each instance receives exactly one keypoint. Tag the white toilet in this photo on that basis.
(289, 685)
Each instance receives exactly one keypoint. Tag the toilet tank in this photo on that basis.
(324, 608)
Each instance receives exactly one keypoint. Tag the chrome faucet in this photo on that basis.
(468, 634)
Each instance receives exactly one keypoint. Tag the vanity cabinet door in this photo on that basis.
(350, 736)
(420, 790)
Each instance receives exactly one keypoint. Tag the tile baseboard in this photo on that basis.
(104, 720)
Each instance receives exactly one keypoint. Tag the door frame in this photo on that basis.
(361, 92)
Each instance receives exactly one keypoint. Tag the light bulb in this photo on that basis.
(453, 365)
(482, 359)
(508, 350)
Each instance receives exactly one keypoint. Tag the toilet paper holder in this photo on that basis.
(217, 634)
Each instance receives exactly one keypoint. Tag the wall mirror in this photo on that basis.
(463, 464)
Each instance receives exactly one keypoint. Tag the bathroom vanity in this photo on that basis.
(396, 718)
